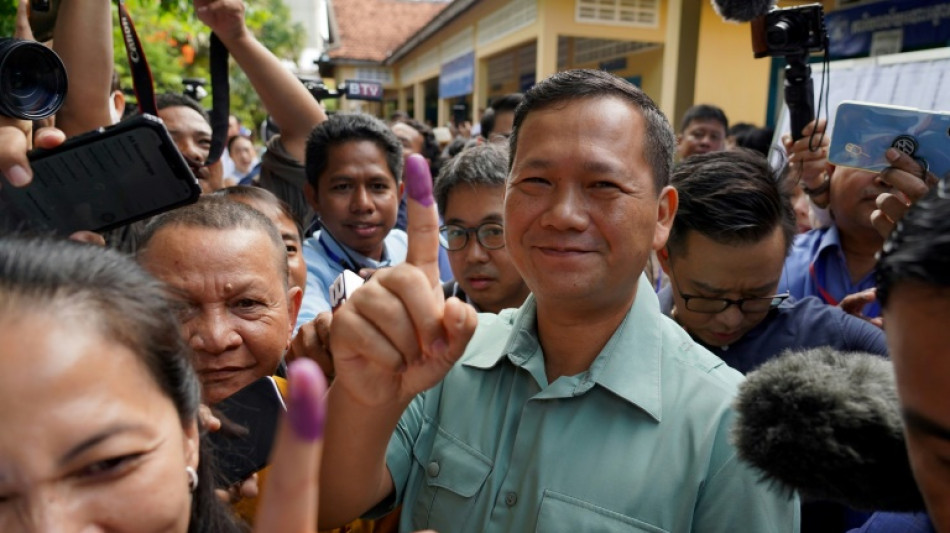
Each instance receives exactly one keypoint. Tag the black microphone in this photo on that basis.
(742, 10)
(828, 424)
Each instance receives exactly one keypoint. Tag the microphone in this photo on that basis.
(742, 10)
(828, 424)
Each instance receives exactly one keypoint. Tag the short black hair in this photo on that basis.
(659, 142)
(180, 100)
(430, 146)
(218, 212)
(758, 139)
(732, 197)
(506, 104)
(918, 250)
(704, 112)
(342, 128)
(485, 165)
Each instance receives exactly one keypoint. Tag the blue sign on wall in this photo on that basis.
(918, 24)
(457, 76)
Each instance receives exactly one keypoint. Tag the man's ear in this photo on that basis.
(666, 211)
(663, 256)
(294, 299)
(311, 195)
(402, 187)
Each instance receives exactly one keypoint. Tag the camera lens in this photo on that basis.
(32, 80)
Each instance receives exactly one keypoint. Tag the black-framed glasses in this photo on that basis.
(712, 306)
(490, 235)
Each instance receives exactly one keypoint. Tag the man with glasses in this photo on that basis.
(470, 192)
(724, 258)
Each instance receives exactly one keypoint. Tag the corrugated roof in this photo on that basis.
(371, 30)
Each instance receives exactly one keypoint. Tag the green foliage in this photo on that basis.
(7, 17)
(169, 28)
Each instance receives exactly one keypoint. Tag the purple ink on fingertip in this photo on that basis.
(419, 180)
(307, 409)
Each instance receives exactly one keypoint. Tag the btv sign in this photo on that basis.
(364, 90)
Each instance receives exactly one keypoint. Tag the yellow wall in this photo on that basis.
(727, 75)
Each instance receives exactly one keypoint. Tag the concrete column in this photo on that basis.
(679, 58)
(402, 98)
(546, 60)
(479, 88)
(419, 102)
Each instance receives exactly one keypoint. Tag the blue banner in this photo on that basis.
(457, 76)
(892, 26)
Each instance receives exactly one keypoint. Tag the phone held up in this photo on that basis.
(863, 132)
(248, 426)
(101, 180)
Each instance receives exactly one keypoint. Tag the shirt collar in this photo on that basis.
(830, 238)
(628, 366)
(343, 254)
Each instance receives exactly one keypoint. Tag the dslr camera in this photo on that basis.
(791, 31)
(32, 80)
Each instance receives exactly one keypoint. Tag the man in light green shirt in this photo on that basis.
(585, 410)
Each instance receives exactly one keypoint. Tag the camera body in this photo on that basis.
(791, 31)
(32, 80)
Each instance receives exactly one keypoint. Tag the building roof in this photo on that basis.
(371, 30)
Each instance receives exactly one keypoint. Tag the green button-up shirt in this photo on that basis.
(639, 442)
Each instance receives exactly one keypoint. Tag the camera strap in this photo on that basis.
(144, 85)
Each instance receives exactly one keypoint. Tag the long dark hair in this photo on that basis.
(128, 306)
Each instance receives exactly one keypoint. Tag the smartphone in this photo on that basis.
(864, 131)
(249, 423)
(101, 180)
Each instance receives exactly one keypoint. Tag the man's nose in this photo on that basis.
(474, 251)
(568, 210)
(730, 317)
(361, 201)
(212, 332)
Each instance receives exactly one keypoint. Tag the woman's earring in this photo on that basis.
(192, 478)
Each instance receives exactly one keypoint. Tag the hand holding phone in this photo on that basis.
(96, 181)
(863, 133)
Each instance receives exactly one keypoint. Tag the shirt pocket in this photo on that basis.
(560, 512)
(454, 474)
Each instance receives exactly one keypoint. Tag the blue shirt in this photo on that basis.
(638, 442)
(326, 259)
(882, 522)
(816, 266)
(797, 325)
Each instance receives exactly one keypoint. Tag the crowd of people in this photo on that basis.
(556, 314)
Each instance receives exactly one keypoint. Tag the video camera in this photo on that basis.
(793, 33)
(352, 89)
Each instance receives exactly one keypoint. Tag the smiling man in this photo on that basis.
(470, 192)
(583, 410)
(354, 169)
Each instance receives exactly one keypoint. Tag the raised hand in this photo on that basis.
(807, 167)
(16, 139)
(224, 17)
(910, 182)
(397, 336)
(290, 494)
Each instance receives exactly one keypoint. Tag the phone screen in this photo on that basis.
(249, 424)
(103, 180)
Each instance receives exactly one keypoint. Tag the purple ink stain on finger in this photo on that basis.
(419, 180)
(307, 409)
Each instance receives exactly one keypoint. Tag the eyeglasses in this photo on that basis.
(712, 306)
(490, 235)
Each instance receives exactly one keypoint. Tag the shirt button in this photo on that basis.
(432, 469)
(511, 499)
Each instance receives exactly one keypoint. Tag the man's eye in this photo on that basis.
(292, 248)
(247, 303)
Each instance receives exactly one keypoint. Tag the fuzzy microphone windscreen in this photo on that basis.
(828, 424)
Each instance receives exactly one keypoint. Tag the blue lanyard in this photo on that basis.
(346, 263)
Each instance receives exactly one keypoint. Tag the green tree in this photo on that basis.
(7, 17)
(177, 46)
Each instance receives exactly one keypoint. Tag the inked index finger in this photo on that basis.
(423, 219)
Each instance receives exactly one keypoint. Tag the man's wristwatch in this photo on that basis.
(819, 190)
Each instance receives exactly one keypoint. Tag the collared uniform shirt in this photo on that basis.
(816, 266)
(639, 442)
(326, 259)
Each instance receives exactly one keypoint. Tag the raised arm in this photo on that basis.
(284, 97)
(394, 338)
(83, 40)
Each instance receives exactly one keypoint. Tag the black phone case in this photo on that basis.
(249, 423)
(101, 180)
